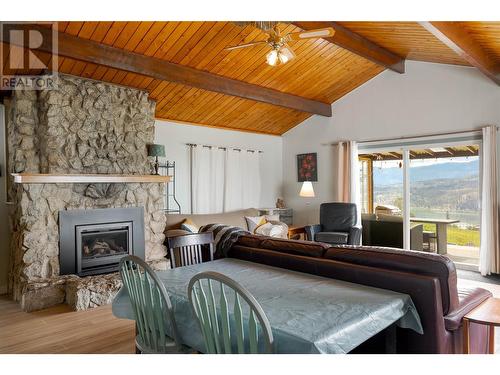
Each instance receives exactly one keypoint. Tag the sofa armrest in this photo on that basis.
(355, 236)
(468, 299)
(311, 231)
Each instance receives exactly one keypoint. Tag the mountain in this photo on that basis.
(455, 171)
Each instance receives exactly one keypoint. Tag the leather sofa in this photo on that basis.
(429, 279)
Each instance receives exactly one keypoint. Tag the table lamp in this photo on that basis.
(156, 151)
(307, 190)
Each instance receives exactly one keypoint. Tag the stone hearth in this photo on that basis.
(83, 126)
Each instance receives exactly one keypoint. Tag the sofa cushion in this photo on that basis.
(416, 262)
(332, 237)
(250, 240)
(305, 248)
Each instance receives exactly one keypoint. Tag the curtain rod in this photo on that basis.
(476, 131)
(223, 148)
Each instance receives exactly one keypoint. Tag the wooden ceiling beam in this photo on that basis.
(92, 52)
(456, 38)
(357, 44)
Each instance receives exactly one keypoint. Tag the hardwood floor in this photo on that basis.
(60, 330)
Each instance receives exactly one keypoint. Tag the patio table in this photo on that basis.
(308, 313)
(441, 231)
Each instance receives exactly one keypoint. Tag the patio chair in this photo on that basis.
(189, 249)
(152, 308)
(224, 327)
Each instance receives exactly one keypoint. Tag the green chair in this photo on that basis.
(152, 308)
(228, 332)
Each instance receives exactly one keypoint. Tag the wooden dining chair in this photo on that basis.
(224, 327)
(187, 249)
(152, 308)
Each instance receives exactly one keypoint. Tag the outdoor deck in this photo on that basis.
(466, 257)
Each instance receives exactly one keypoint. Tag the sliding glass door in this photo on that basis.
(431, 187)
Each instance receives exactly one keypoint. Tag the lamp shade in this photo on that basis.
(156, 150)
(307, 190)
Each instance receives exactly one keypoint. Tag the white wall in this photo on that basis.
(4, 218)
(428, 99)
(175, 136)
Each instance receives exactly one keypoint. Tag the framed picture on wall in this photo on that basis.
(307, 167)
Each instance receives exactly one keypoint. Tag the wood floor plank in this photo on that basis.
(60, 330)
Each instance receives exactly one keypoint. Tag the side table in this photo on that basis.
(297, 231)
(487, 313)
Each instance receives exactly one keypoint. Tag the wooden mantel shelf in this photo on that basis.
(34, 178)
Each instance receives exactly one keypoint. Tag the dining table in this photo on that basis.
(441, 231)
(307, 313)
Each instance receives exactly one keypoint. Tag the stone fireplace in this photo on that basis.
(92, 242)
(81, 127)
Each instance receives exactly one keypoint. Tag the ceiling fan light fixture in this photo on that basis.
(272, 57)
(285, 54)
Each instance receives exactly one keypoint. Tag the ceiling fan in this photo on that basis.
(280, 52)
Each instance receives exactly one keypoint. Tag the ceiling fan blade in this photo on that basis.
(318, 33)
(245, 45)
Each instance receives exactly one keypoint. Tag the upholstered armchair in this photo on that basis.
(337, 225)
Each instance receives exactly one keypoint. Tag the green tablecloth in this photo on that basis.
(308, 313)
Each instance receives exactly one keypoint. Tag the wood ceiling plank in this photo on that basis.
(125, 34)
(204, 44)
(172, 39)
(487, 34)
(182, 40)
(138, 36)
(407, 39)
(247, 37)
(192, 42)
(455, 37)
(359, 45)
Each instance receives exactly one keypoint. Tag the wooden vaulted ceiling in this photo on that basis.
(322, 71)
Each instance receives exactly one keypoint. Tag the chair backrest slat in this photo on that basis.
(189, 248)
(253, 333)
(215, 320)
(213, 317)
(238, 321)
(225, 328)
(151, 305)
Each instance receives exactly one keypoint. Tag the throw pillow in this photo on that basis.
(253, 222)
(189, 226)
(272, 217)
(273, 229)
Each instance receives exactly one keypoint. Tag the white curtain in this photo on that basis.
(242, 182)
(348, 175)
(251, 179)
(233, 187)
(208, 179)
(224, 180)
(489, 253)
